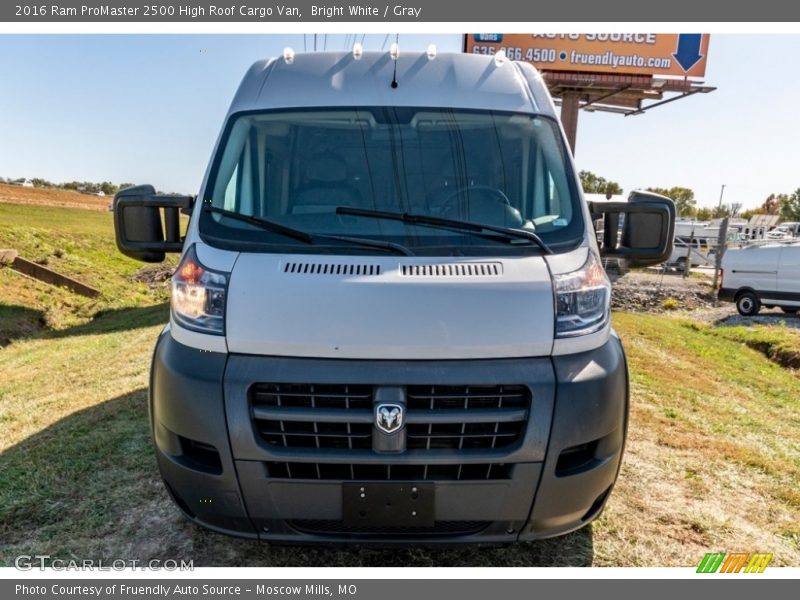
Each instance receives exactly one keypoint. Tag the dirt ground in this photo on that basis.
(15, 194)
(669, 292)
(651, 291)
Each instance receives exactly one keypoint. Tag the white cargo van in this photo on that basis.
(390, 322)
(700, 254)
(762, 275)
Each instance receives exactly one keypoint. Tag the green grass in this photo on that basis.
(780, 343)
(74, 242)
(712, 462)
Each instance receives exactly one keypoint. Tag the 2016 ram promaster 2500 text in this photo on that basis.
(390, 320)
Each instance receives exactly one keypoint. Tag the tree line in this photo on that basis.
(787, 206)
(86, 187)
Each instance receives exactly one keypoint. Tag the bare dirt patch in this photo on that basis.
(645, 291)
(154, 275)
(14, 194)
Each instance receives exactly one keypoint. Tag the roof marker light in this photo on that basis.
(394, 51)
(500, 58)
(358, 51)
(288, 55)
(431, 52)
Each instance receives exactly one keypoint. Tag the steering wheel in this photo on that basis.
(494, 203)
(446, 202)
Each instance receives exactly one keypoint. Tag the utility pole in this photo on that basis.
(722, 241)
(719, 206)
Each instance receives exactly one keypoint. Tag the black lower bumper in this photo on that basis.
(555, 480)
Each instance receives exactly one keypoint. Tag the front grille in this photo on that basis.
(318, 428)
(311, 395)
(388, 472)
(438, 417)
(432, 397)
(501, 427)
(332, 527)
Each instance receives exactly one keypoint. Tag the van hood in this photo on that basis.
(389, 307)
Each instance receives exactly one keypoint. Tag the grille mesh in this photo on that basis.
(310, 395)
(340, 417)
(473, 399)
(312, 433)
(388, 472)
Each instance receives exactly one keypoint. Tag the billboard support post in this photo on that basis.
(570, 105)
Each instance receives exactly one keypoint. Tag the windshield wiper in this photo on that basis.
(509, 233)
(306, 237)
(263, 224)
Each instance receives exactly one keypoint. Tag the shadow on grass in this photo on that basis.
(118, 319)
(87, 487)
(71, 485)
(19, 322)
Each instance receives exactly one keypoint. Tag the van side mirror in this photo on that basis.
(141, 231)
(639, 231)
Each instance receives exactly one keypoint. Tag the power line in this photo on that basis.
(386, 39)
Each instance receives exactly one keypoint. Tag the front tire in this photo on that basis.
(748, 304)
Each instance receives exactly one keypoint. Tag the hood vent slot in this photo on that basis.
(475, 269)
(315, 268)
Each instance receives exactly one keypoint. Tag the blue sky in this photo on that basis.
(147, 109)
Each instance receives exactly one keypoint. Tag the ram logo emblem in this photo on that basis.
(389, 417)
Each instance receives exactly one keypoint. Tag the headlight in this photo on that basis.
(198, 296)
(583, 299)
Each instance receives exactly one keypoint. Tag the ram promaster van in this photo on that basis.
(762, 275)
(390, 322)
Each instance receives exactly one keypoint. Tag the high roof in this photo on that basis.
(339, 79)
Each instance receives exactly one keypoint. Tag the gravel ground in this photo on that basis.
(644, 291)
(726, 314)
(648, 291)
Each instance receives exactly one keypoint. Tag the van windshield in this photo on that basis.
(296, 168)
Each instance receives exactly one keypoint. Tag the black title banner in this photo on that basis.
(436, 11)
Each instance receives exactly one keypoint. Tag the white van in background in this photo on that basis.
(767, 275)
(701, 253)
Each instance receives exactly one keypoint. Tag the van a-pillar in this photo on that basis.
(570, 105)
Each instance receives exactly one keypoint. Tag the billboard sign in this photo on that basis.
(678, 54)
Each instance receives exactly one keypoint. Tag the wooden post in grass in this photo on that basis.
(42, 273)
(721, 241)
(687, 266)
